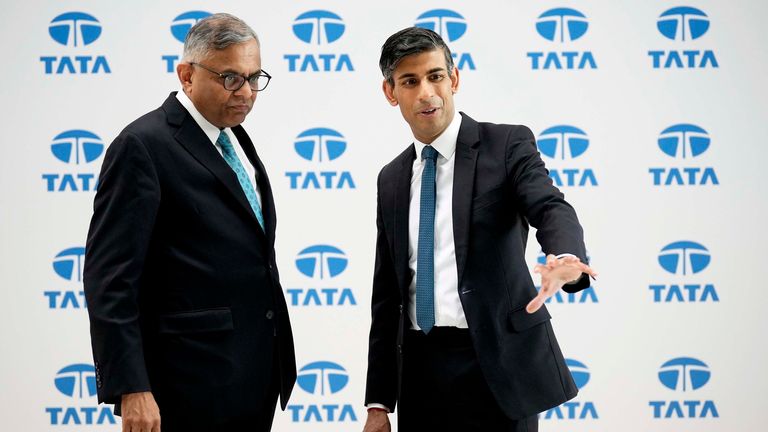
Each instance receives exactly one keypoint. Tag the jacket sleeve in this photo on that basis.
(382, 381)
(557, 226)
(125, 209)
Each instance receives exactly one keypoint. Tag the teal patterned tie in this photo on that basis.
(231, 157)
(425, 258)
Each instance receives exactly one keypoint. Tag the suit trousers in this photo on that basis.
(258, 421)
(443, 388)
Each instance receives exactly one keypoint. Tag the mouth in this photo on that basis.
(240, 108)
(429, 112)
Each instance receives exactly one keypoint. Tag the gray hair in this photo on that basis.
(409, 41)
(215, 32)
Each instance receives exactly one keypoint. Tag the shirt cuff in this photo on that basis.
(377, 405)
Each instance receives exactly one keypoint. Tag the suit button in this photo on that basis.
(270, 266)
(270, 314)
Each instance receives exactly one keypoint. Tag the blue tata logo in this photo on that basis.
(684, 374)
(574, 409)
(448, 24)
(77, 146)
(318, 27)
(684, 141)
(321, 261)
(579, 372)
(320, 144)
(451, 26)
(77, 381)
(322, 378)
(184, 22)
(562, 24)
(563, 143)
(684, 258)
(69, 264)
(683, 23)
(75, 29)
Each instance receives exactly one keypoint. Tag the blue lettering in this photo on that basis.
(170, 62)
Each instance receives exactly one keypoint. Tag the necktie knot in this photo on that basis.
(429, 153)
(224, 142)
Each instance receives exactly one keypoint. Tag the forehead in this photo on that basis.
(421, 63)
(245, 55)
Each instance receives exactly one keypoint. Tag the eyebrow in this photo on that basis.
(410, 74)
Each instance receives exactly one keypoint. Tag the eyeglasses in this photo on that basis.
(233, 82)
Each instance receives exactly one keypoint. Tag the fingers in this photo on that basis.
(536, 303)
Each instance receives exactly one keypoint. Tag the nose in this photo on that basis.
(426, 90)
(244, 91)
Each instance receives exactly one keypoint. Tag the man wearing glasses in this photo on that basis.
(189, 325)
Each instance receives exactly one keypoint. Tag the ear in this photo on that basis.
(184, 72)
(389, 92)
(455, 80)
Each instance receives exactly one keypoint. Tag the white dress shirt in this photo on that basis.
(448, 309)
(212, 132)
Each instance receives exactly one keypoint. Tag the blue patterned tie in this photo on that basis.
(425, 260)
(231, 157)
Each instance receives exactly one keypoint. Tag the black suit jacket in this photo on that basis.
(183, 293)
(500, 186)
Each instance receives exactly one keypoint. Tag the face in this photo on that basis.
(423, 89)
(221, 107)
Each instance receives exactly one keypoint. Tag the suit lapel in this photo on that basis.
(463, 185)
(402, 207)
(262, 180)
(192, 138)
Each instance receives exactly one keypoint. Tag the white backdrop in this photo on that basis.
(668, 340)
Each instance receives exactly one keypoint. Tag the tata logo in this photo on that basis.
(562, 26)
(77, 147)
(320, 145)
(68, 264)
(180, 26)
(78, 381)
(319, 28)
(587, 295)
(684, 258)
(574, 410)
(322, 379)
(321, 262)
(683, 24)
(682, 142)
(684, 375)
(74, 147)
(563, 143)
(75, 30)
(451, 26)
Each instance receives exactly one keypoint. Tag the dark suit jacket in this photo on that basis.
(500, 186)
(183, 293)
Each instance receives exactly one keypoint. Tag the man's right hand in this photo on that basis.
(140, 412)
(378, 421)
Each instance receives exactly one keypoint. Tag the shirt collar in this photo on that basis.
(211, 131)
(445, 144)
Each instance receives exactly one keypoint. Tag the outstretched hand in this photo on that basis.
(555, 273)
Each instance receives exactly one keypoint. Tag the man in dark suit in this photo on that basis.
(460, 340)
(189, 325)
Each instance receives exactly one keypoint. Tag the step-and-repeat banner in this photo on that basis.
(651, 116)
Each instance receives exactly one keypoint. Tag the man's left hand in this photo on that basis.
(555, 273)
